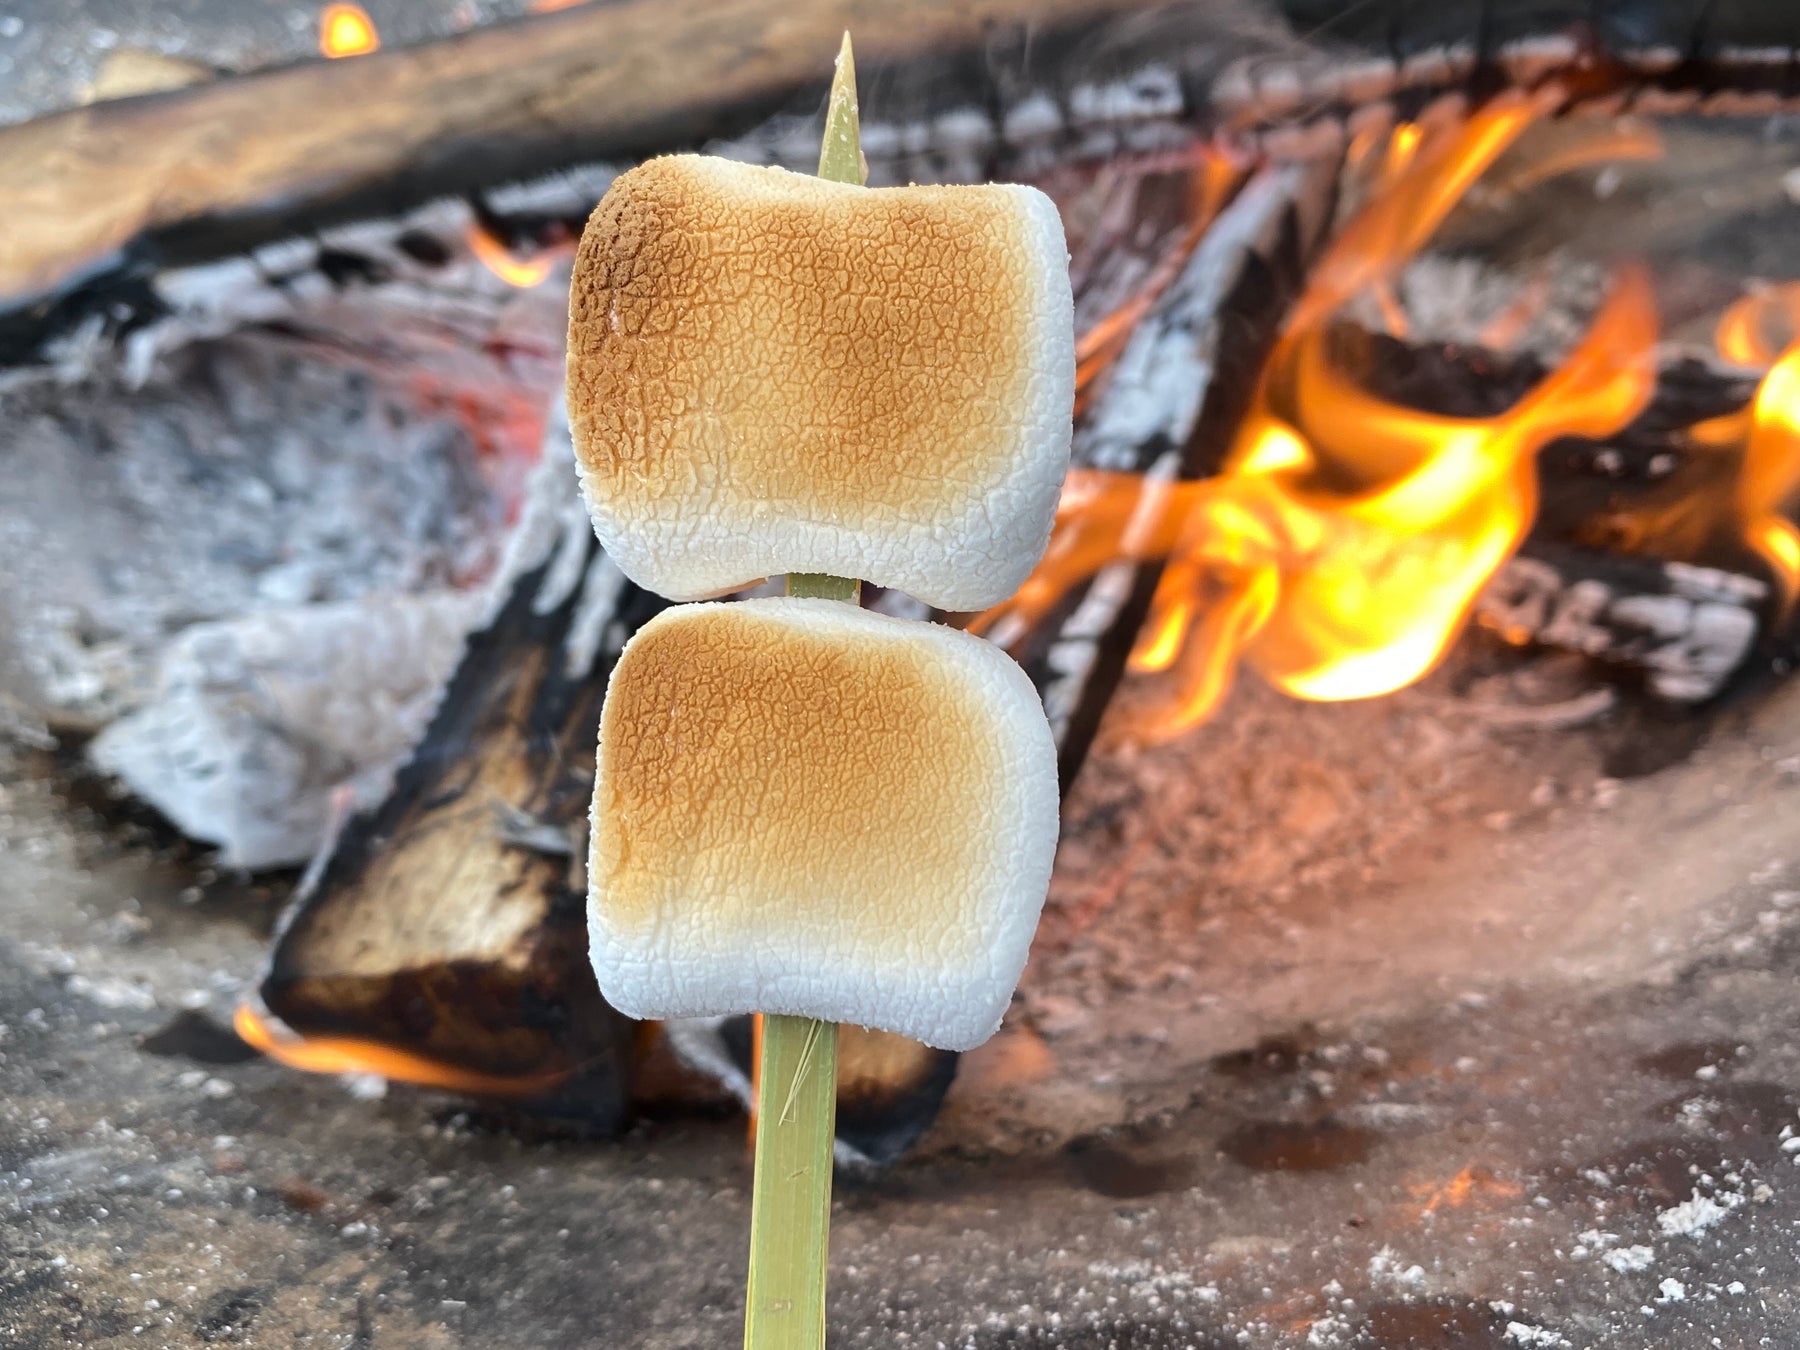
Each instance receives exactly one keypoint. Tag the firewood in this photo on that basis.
(451, 923)
(170, 178)
(1687, 629)
(1002, 88)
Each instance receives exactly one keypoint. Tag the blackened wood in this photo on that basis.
(1686, 629)
(1695, 30)
(1462, 380)
(164, 179)
(1169, 408)
(452, 921)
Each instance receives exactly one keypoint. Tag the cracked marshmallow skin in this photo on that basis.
(807, 808)
(773, 373)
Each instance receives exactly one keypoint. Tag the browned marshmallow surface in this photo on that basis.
(804, 807)
(772, 373)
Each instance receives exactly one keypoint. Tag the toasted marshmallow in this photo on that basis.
(773, 373)
(806, 808)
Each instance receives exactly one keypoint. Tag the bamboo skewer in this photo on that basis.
(790, 1209)
(796, 1079)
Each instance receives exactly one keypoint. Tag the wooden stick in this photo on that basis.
(796, 1079)
(790, 1208)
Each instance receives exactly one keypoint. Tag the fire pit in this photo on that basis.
(1457, 1016)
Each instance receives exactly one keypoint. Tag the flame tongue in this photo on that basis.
(1744, 334)
(1771, 473)
(1382, 581)
(1335, 592)
(343, 1054)
(1422, 180)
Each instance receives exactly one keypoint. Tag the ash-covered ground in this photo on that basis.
(1418, 1022)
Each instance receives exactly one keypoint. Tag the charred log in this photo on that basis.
(1000, 89)
(1169, 408)
(451, 923)
(1687, 630)
(889, 1088)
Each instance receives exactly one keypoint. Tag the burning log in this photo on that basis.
(1349, 536)
(1004, 89)
(275, 154)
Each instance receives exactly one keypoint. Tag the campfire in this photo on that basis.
(1414, 631)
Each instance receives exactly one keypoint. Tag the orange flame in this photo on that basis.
(1771, 473)
(347, 30)
(523, 273)
(1745, 333)
(344, 1054)
(1344, 544)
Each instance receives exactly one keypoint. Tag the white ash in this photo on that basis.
(254, 550)
(1540, 1338)
(256, 724)
(1697, 1213)
(1331, 1330)
(1388, 1267)
(249, 474)
(1626, 1260)
(262, 733)
(1455, 299)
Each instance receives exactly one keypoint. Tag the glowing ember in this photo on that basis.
(1469, 1186)
(1344, 544)
(343, 1054)
(515, 272)
(347, 30)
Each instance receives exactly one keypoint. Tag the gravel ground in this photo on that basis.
(1450, 1058)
